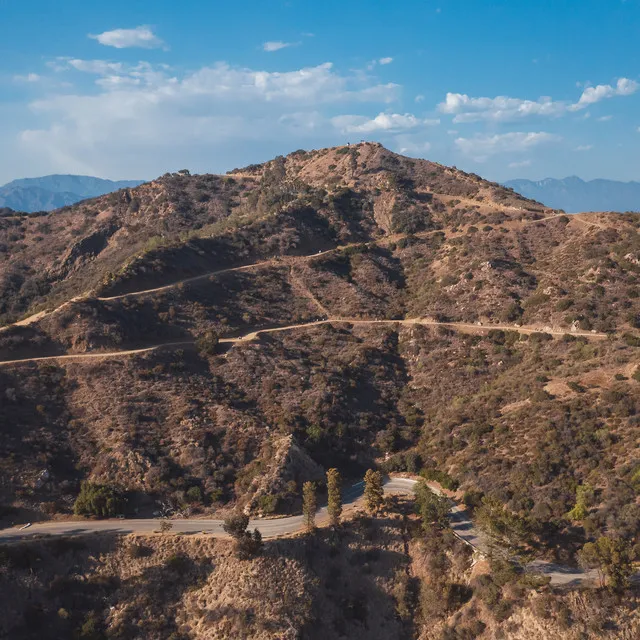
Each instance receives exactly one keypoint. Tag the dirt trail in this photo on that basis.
(274, 261)
(248, 337)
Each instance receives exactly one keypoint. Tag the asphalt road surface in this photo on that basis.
(459, 518)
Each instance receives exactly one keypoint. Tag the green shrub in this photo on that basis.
(194, 495)
(631, 340)
(442, 477)
(98, 500)
(207, 344)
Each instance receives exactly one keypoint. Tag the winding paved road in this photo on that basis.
(459, 519)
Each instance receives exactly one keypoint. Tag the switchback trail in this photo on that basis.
(274, 261)
(253, 335)
(459, 520)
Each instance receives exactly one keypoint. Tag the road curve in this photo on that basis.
(459, 520)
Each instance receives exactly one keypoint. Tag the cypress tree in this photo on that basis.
(334, 490)
(309, 505)
(373, 491)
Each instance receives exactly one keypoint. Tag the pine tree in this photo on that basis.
(334, 490)
(309, 505)
(373, 491)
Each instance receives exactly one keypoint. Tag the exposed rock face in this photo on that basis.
(287, 465)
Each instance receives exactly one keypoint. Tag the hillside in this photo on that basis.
(370, 309)
(574, 195)
(374, 579)
(55, 191)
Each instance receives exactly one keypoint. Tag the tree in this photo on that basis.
(194, 495)
(373, 491)
(236, 525)
(501, 522)
(433, 509)
(247, 545)
(207, 344)
(98, 500)
(309, 505)
(612, 558)
(334, 490)
(166, 526)
(584, 499)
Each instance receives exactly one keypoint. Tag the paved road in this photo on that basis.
(460, 522)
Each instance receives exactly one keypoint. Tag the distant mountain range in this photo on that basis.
(575, 195)
(52, 192)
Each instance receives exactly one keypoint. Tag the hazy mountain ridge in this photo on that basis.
(54, 191)
(574, 195)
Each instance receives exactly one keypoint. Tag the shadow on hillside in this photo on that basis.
(353, 571)
(51, 589)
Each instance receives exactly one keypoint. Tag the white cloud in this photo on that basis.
(605, 118)
(584, 147)
(507, 109)
(481, 146)
(499, 109)
(387, 60)
(141, 37)
(520, 165)
(97, 67)
(143, 116)
(29, 77)
(419, 98)
(411, 145)
(276, 45)
(382, 122)
(591, 95)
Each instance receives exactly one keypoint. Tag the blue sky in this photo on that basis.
(507, 88)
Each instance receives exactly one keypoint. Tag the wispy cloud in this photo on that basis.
(141, 37)
(520, 165)
(143, 116)
(382, 122)
(387, 60)
(584, 147)
(481, 147)
(29, 77)
(276, 45)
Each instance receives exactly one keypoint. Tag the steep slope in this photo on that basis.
(573, 194)
(304, 203)
(322, 245)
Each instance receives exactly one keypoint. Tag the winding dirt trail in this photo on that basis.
(253, 335)
(274, 261)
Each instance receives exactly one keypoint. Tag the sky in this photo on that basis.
(503, 88)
